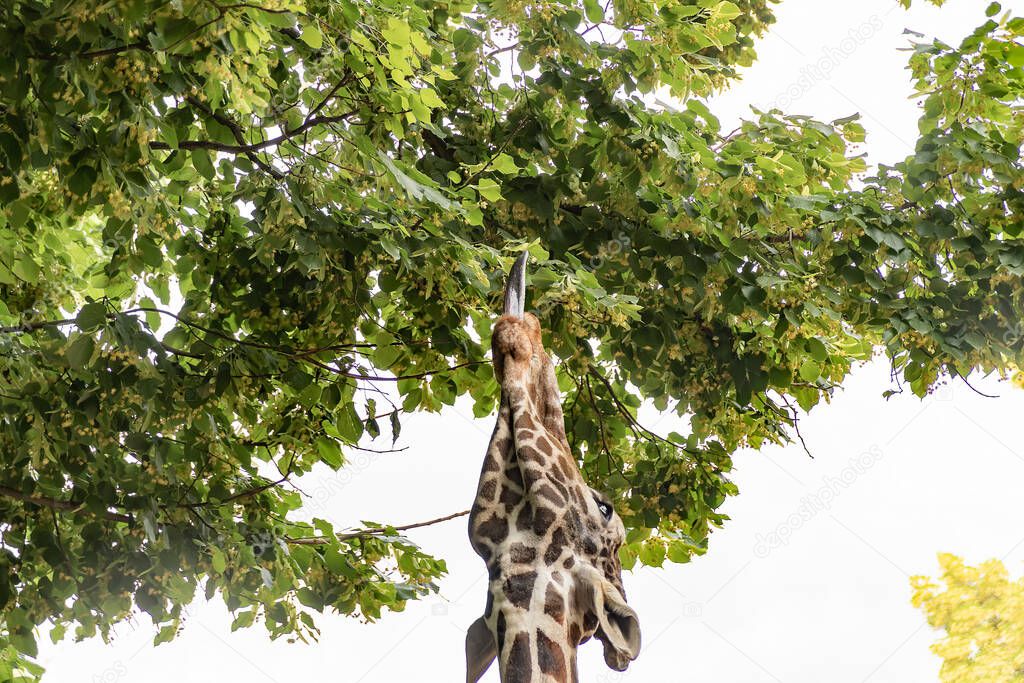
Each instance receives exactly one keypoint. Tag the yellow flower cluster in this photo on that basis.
(130, 71)
(979, 609)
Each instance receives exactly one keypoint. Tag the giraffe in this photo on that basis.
(550, 542)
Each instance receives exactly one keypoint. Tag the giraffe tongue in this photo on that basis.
(515, 287)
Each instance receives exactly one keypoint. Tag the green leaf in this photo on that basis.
(396, 427)
(243, 620)
(1015, 54)
(350, 427)
(91, 316)
(396, 32)
(429, 97)
(165, 634)
(329, 452)
(465, 40)
(817, 349)
(312, 36)
(27, 269)
(679, 552)
(726, 11)
(489, 189)
(57, 633)
(18, 213)
(202, 163)
(652, 553)
(82, 180)
(79, 352)
(24, 642)
(810, 371)
(217, 560)
(385, 355)
(416, 189)
(11, 148)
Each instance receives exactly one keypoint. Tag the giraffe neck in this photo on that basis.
(535, 635)
(532, 519)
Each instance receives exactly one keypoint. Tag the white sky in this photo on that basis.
(832, 602)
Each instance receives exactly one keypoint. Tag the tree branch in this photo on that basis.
(93, 54)
(66, 505)
(238, 133)
(256, 146)
(299, 355)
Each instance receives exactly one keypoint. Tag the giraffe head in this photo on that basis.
(550, 541)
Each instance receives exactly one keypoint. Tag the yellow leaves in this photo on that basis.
(396, 31)
(402, 60)
(1018, 379)
(443, 73)
(982, 613)
(398, 77)
(421, 102)
(420, 43)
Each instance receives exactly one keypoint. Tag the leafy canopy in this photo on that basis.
(225, 224)
(981, 610)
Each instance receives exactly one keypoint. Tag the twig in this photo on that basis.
(373, 531)
(796, 425)
(633, 421)
(964, 379)
(248, 493)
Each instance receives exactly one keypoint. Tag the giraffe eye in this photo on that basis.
(606, 510)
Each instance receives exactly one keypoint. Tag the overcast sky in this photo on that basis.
(809, 581)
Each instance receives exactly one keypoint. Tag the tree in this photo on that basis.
(226, 224)
(982, 612)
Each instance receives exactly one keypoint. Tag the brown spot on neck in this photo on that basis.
(554, 604)
(518, 589)
(550, 657)
(519, 667)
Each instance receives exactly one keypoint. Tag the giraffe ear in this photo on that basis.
(618, 626)
(480, 650)
(621, 630)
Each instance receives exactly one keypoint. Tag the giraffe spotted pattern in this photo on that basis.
(549, 541)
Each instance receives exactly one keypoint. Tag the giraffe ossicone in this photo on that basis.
(550, 542)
